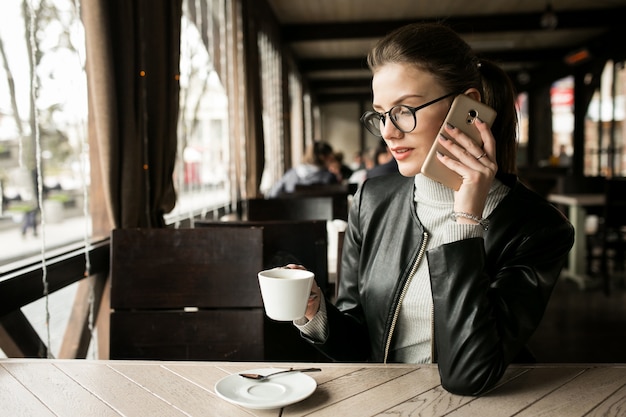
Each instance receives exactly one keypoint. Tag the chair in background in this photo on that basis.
(297, 208)
(302, 242)
(306, 202)
(325, 189)
(314, 202)
(608, 244)
(341, 195)
(287, 241)
(193, 294)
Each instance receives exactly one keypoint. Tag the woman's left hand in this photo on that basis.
(476, 165)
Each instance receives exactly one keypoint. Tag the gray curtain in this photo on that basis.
(132, 72)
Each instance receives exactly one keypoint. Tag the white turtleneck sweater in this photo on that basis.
(413, 333)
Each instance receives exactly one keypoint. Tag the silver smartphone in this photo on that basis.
(462, 115)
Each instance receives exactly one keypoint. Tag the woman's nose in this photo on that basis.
(389, 130)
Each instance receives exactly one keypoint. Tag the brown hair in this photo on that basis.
(317, 153)
(439, 50)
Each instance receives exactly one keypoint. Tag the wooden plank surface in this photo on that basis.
(46, 387)
(17, 400)
(581, 394)
(122, 394)
(55, 390)
(174, 388)
(519, 392)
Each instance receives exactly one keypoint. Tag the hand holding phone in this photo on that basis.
(462, 114)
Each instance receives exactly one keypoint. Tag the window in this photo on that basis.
(202, 175)
(604, 125)
(44, 172)
(271, 88)
(522, 126)
(44, 163)
(562, 101)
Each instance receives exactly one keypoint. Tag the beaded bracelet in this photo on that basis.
(482, 222)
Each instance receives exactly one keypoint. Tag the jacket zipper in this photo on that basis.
(432, 334)
(396, 314)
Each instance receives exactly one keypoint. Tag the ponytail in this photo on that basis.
(499, 93)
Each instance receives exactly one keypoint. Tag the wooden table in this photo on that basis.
(44, 387)
(577, 213)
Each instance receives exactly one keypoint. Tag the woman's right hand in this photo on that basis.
(313, 305)
(476, 165)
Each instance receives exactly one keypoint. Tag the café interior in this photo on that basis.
(194, 108)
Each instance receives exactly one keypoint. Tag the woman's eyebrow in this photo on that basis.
(401, 99)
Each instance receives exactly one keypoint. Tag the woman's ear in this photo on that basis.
(473, 93)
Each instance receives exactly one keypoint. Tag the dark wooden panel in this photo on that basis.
(325, 189)
(202, 335)
(238, 335)
(290, 208)
(177, 268)
(283, 343)
(158, 272)
(303, 242)
(338, 192)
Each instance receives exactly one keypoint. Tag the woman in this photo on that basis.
(317, 165)
(458, 278)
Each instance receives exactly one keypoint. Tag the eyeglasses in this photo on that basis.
(403, 117)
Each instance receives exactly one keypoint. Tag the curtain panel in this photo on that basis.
(132, 72)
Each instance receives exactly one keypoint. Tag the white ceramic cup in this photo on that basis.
(285, 292)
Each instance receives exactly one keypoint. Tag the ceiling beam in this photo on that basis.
(517, 55)
(342, 83)
(579, 19)
(332, 64)
(540, 66)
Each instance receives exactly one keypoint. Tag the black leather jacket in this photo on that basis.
(489, 294)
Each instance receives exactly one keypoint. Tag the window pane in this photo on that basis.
(522, 126)
(562, 100)
(202, 170)
(44, 173)
(271, 87)
(604, 131)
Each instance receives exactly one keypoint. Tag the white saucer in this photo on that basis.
(275, 392)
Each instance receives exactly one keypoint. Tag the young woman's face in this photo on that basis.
(395, 84)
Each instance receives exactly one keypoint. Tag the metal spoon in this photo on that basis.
(260, 377)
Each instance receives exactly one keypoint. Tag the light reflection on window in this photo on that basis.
(202, 170)
(44, 167)
(604, 125)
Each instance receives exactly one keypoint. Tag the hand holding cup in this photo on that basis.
(285, 292)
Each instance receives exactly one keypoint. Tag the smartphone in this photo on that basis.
(462, 115)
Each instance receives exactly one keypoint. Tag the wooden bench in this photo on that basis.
(297, 207)
(325, 189)
(193, 294)
(302, 242)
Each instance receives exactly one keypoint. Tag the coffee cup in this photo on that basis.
(285, 292)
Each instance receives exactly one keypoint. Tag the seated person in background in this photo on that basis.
(357, 161)
(368, 156)
(385, 163)
(344, 170)
(314, 169)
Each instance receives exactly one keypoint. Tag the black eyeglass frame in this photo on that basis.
(383, 116)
